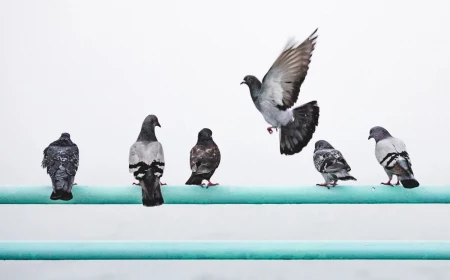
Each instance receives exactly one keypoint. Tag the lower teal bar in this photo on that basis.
(225, 250)
(233, 195)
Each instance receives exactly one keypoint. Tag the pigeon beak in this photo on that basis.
(243, 82)
(157, 124)
(370, 136)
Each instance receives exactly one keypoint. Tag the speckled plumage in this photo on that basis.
(330, 163)
(61, 159)
(204, 158)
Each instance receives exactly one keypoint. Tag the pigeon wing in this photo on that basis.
(282, 82)
(330, 160)
(389, 151)
(145, 156)
(205, 159)
(56, 156)
(71, 159)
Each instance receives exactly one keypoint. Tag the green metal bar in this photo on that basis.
(233, 195)
(225, 250)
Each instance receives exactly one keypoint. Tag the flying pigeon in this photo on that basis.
(279, 91)
(61, 159)
(146, 162)
(392, 155)
(331, 164)
(204, 159)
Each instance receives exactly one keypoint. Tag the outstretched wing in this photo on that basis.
(204, 158)
(282, 82)
(330, 160)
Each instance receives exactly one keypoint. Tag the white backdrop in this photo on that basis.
(95, 69)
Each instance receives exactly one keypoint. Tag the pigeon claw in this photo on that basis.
(323, 185)
(137, 184)
(209, 184)
(388, 183)
(162, 184)
(269, 129)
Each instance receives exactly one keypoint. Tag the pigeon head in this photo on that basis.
(322, 144)
(148, 129)
(64, 136)
(253, 84)
(151, 121)
(378, 133)
(64, 140)
(205, 134)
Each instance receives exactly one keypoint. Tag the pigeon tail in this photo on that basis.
(151, 190)
(344, 175)
(296, 135)
(409, 183)
(406, 177)
(62, 185)
(194, 179)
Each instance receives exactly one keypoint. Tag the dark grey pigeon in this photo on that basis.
(279, 91)
(146, 162)
(392, 155)
(61, 159)
(331, 164)
(204, 159)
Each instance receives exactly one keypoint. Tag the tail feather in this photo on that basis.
(62, 186)
(194, 180)
(297, 134)
(344, 175)
(151, 190)
(405, 174)
(410, 183)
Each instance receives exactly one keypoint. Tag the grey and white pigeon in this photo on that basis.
(392, 155)
(146, 162)
(61, 159)
(279, 91)
(331, 164)
(204, 159)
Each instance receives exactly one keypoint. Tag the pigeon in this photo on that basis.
(204, 159)
(392, 155)
(146, 162)
(331, 164)
(279, 91)
(61, 159)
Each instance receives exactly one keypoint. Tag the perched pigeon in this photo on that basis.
(61, 160)
(392, 155)
(146, 162)
(279, 91)
(331, 164)
(204, 159)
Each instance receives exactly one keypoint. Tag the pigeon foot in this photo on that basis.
(324, 185)
(137, 184)
(162, 184)
(388, 183)
(269, 129)
(210, 184)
